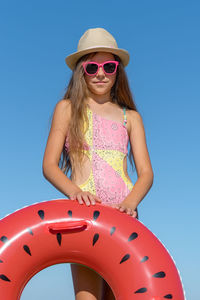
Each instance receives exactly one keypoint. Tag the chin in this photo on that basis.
(100, 91)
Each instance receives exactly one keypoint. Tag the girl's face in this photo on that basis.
(101, 83)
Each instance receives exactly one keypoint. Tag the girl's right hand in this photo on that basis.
(85, 197)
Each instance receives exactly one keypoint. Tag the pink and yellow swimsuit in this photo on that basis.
(106, 147)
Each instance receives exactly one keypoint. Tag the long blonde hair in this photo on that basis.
(76, 92)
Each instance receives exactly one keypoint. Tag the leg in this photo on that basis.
(107, 292)
(87, 283)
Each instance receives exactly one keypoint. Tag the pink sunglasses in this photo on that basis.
(91, 67)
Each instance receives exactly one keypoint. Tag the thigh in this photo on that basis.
(87, 283)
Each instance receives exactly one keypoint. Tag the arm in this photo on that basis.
(54, 147)
(142, 164)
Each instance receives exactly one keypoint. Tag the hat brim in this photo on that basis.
(74, 57)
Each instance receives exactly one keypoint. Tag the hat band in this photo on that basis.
(98, 46)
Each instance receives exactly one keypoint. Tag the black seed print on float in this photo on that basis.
(96, 214)
(59, 238)
(27, 249)
(4, 239)
(30, 231)
(142, 290)
(41, 214)
(112, 230)
(69, 213)
(145, 258)
(1, 261)
(95, 238)
(133, 236)
(159, 275)
(126, 257)
(168, 296)
(4, 277)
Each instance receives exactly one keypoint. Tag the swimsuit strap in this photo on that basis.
(125, 117)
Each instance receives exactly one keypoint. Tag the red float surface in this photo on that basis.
(120, 248)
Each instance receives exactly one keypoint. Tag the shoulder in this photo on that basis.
(134, 119)
(63, 109)
(63, 106)
(62, 115)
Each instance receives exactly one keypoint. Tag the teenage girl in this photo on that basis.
(90, 131)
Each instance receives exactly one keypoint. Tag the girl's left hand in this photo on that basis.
(125, 207)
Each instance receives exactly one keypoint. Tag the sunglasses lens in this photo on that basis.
(109, 67)
(91, 68)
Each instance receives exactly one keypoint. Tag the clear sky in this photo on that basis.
(162, 38)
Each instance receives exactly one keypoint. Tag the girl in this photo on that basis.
(89, 135)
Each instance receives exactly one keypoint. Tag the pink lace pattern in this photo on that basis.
(106, 148)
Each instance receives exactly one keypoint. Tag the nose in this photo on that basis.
(100, 72)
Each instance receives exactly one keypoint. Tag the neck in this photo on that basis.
(98, 99)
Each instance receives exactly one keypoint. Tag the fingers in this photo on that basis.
(85, 197)
(79, 198)
(97, 199)
(135, 214)
(94, 198)
(128, 210)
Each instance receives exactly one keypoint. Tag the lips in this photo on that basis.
(99, 82)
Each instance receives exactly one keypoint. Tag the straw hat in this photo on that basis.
(93, 40)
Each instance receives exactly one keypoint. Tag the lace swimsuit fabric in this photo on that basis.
(106, 147)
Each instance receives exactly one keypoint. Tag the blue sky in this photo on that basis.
(162, 38)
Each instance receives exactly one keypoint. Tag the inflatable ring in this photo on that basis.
(120, 248)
